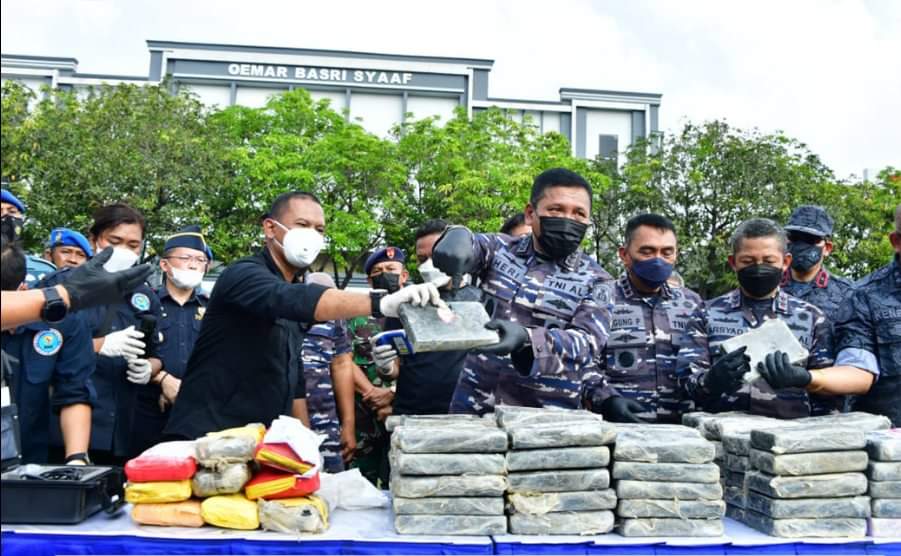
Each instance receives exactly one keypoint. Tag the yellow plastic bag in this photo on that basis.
(173, 514)
(231, 511)
(307, 514)
(158, 492)
(253, 430)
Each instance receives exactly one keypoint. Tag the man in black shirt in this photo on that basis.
(247, 358)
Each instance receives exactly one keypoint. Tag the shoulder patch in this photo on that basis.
(140, 301)
(48, 342)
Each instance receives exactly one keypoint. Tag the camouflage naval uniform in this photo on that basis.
(657, 342)
(826, 291)
(372, 439)
(566, 307)
(322, 343)
(868, 336)
(730, 315)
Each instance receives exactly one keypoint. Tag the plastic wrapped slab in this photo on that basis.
(449, 440)
(883, 527)
(448, 464)
(558, 458)
(887, 507)
(512, 415)
(682, 509)
(735, 478)
(667, 472)
(449, 506)
(773, 335)
(850, 506)
(579, 433)
(428, 329)
(813, 463)
(798, 528)
(668, 491)
(884, 470)
(858, 420)
(454, 485)
(172, 514)
(734, 512)
(394, 421)
(227, 479)
(884, 445)
(735, 496)
(450, 524)
(719, 450)
(157, 492)
(738, 443)
(537, 504)
(715, 428)
(230, 511)
(809, 438)
(810, 486)
(885, 489)
(294, 515)
(217, 450)
(562, 523)
(669, 527)
(648, 444)
(737, 463)
(558, 481)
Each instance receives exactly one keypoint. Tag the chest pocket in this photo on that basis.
(888, 341)
(627, 341)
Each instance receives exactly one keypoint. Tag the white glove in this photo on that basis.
(126, 343)
(384, 357)
(139, 371)
(418, 294)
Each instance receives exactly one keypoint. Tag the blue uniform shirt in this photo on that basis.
(178, 329)
(826, 291)
(58, 356)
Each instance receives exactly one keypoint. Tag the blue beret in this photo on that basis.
(811, 219)
(8, 197)
(382, 255)
(65, 236)
(189, 237)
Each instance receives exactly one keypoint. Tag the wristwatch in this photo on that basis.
(55, 309)
(375, 298)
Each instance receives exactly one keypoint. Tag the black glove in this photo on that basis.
(725, 375)
(513, 337)
(779, 372)
(90, 285)
(622, 410)
(453, 254)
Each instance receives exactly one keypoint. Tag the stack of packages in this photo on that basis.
(558, 478)
(159, 486)
(807, 481)
(448, 476)
(667, 482)
(884, 448)
(289, 463)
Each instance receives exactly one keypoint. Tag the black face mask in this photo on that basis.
(386, 281)
(560, 237)
(804, 255)
(759, 279)
(12, 226)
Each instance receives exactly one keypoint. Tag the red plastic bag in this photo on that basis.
(270, 484)
(144, 469)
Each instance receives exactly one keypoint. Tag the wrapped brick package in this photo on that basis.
(810, 486)
(449, 506)
(668, 527)
(851, 506)
(449, 440)
(813, 463)
(562, 523)
(558, 481)
(798, 528)
(669, 490)
(885, 489)
(448, 464)
(680, 509)
(294, 515)
(558, 458)
(579, 433)
(451, 485)
(647, 444)
(884, 471)
(580, 501)
(884, 445)
(666, 472)
(218, 450)
(450, 524)
(509, 416)
(887, 507)
(227, 479)
(822, 438)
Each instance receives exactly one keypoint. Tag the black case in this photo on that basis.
(49, 501)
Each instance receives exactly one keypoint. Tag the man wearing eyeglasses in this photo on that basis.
(185, 260)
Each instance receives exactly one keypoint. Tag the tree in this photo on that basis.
(15, 102)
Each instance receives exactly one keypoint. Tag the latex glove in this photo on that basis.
(513, 337)
(726, 374)
(123, 343)
(379, 398)
(622, 410)
(348, 443)
(779, 372)
(418, 294)
(453, 253)
(385, 359)
(90, 285)
(139, 371)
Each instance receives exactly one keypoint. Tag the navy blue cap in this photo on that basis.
(8, 197)
(382, 255)
(65, 236)
(189, 237)
(811, 219)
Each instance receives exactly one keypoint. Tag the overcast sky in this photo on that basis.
(825, 72)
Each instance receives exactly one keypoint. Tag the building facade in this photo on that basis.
(376, 90)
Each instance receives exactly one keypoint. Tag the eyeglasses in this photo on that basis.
(188, 258)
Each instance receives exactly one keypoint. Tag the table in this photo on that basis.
(372, 532)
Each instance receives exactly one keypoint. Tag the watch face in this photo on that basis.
(55, 311)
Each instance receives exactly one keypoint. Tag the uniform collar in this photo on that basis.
(780, 301)
(821, 280)
(896, 272)
(666, 291)
(273, 268)
(196, 295)
(523, 247)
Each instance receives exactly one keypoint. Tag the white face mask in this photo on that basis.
(186, 279)
(301, 245)
(122, 259)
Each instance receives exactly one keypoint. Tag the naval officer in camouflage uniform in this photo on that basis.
(328, 377)
(658, 336)
(549, 302)
(759, 258)
(809, 232)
